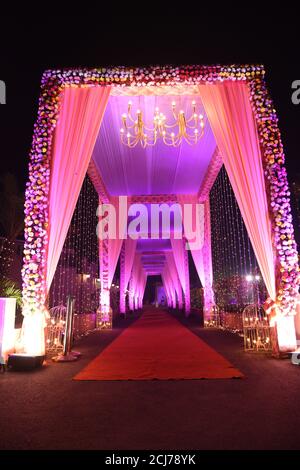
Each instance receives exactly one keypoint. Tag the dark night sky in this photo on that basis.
(28, 49)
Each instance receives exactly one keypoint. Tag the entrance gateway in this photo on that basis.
(77, 132)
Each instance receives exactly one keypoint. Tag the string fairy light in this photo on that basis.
(77, 268)
(232, 252)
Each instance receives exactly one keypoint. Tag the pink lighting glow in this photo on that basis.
(73, 102)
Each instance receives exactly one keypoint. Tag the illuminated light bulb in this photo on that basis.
(202, 124)
(122, 131)
(128, 135)
(129, 103)
(172, 135)
(182, 112)
(138, 111)
(196, 131)
(257, 278)
(124, 115)
(164, 133)
(195, 115)
(249, 278)
(201, 116)
(173, 104)
(157, 109)
(193, 102)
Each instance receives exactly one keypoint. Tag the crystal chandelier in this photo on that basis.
(134, 130)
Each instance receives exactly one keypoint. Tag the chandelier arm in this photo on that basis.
(130, 118)
(193, 127)
(149, 129)
(170, 126)
(140, 132)
(192, 118)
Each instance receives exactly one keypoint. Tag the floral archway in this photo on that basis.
(57, 103)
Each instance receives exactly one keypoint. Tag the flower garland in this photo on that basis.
(37, 189)
(287, 275)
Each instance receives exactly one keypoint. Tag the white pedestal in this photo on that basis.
(7, 327)
(286, 335)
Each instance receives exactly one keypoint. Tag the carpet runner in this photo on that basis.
(157, 346)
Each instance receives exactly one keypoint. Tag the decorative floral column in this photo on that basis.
(209, 301)
(278, 194)
(104, 309)
(123, 288)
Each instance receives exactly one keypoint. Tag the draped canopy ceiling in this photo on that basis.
(154, 170)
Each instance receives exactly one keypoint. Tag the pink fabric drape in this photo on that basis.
(138, 282)
(166, 290)
(179, 254)
(131, 294)
(202, 257)
(169, 285)
(228, 108)
(141, 289)
(78, 125)
(126, 267)
(174, 276)
(114, 245)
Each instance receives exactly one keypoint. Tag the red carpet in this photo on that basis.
(157, 346)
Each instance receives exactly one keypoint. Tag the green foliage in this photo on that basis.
(9, 288)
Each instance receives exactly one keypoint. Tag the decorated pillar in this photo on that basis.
(123, 287)
(179, 295)
(131, 295)
(278, 198)
(103, 314)
(206, 256)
